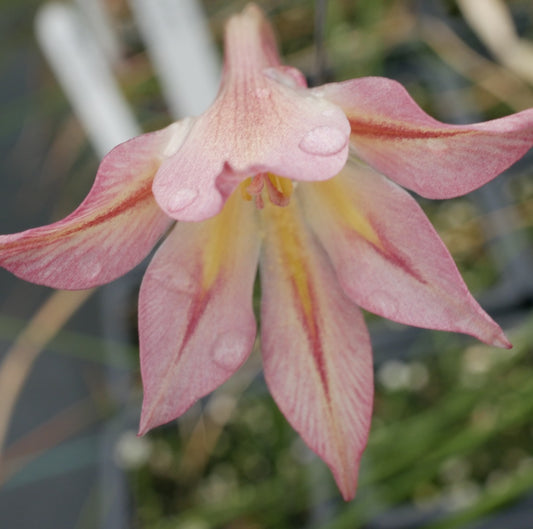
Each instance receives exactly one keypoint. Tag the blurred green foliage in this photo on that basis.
(451, 432)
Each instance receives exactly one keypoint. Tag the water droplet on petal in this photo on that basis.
(262, 93)
(384, 304)
(180, 283)
(437, 146)
(92, 269)
(231, 350)
(286, 76)
(324, 141)
(181, 199)
(329, 112)
(177, 133)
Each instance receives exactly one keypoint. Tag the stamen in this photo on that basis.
(275, 194)
(279, 189)
(256, 184)
(283, 185)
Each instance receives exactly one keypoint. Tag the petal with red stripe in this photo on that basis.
(396, 137)
(315, 346)
(389, 258)
(196, 323)
(113, 229)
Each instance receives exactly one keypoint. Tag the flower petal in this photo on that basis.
(196, 324)
(389, 258)
(113, 229)
(396, 137)
(263, 120)
(315, 345)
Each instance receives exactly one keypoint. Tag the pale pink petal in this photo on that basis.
(388, 257)
(263, 120)
(315, 346)
(196, 324)
(113, 229)
(394, 135)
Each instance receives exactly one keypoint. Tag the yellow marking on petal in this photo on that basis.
(244, 189)
(339, 201)
(287, 232)
(218, 241)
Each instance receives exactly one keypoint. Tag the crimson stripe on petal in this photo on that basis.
(388, 257)
(196, 323)
(113, 229)
(315, 346)
(437, 160)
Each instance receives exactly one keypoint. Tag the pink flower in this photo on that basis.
(305, 182)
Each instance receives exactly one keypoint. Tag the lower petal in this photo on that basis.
(316, 349)
(196, 323)
(389, 258)
(114, 228)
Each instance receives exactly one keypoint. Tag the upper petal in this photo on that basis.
(315, 346)
(113, 229)
(394, 135)
(388, 257)
(263, 120)
(196, 324)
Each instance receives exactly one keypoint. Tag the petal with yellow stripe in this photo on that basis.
(315, 345)
(388, 257)
(196, 323)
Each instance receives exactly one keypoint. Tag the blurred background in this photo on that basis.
(452, 435)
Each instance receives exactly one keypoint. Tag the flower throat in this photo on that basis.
(278, 189)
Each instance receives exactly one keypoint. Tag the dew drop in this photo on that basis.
(183, 283)
(329, 112)
(231, 349)
(179, 283)
(262, 93)
(436, 146)
(384, 304)
(324, 141)
(178, 132)
(181, 199)
(92, 269)
(286, 76)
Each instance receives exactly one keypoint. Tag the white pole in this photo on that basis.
(85, 75)
(181, 49)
